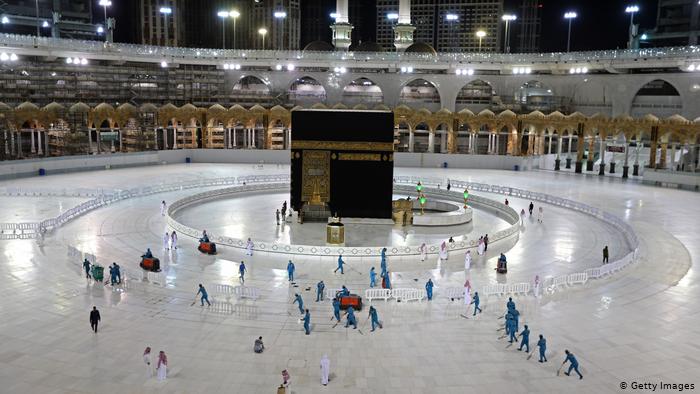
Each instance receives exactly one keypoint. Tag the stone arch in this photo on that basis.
(362, 91)
(535, 95)
(658, 97)
(420, 93)
(251, 87)
(421, 136)
(477, 94)
(306, 90)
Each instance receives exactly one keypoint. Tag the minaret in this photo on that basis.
(403, 31)
(342, 29)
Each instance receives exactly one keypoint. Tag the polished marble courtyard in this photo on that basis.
(639, 324)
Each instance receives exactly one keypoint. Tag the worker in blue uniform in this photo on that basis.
(429, 289)
(351, 318)
(298, 300)
(307, 321)
(525, 339)
(320, 286)
(542, 344)
(573, 364)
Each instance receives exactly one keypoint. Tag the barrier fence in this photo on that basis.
(267, 182)
(399, 294)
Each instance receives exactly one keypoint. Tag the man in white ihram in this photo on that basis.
(325, 369)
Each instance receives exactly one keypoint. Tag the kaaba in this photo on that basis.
(342, 163)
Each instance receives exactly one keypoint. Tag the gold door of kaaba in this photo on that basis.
(316, 176)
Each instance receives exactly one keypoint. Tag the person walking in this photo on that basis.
(205, 296)
(531, 207)
(542, 345)
(486, 243)
(475, 301)
(147, 361)
(320, 286)
(277, 216)
(336, 309)
(468, 260)
(249, 247)
(94, 318)
(298, 300)
(163, 206)
(173, 241)
(536, 286)
(86, 266)
(605, 254)
(351, 318)
(166, 241)
(540, 215)
(429, 289)
(307, 322)
(525, 339)
(290, 271)
(372, 277)
(241, 272)
(573, 364)
(258, 346)
(325, 369)
(423, 249)
(162, 367)
(340, 264)
(374, 318)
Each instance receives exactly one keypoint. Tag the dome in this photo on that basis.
(367, 46)
(319, 46)
(421, 47)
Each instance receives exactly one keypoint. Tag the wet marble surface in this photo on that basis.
(637, 325)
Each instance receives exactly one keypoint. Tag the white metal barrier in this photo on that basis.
(156, 278)
(519, 288)
(247, 292)
(408, 294)
(577, 278)
(559, 281)
(493, 289)
(225, 290)
(374, 293)
(330, 293)
(594, 272)
(453, 292)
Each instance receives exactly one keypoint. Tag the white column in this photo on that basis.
(38, 143)
(405, 12)
(33, 149)
(234, 138)
(627, 153)
(498, 139)
(411, 140)
(252, 137)
(443, 142)
(12, 143)
(289, 139)
(120, 140)
(341, 8)
(19, 144)
(549, 149)
(89, 141)
(602, 151)
(673, 157)
(475, 143)
(469, 142)
(431, 140)
(46, 143)
(559, 143)
(7, 152)
(174, 137)
(571, 137)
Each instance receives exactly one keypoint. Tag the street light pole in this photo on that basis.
(166, 11)
(481, 34)
(570, 16)
(632, 9)
(262, 31)
(234, 14)
(507, 18)
(451, 19)
(223, 15)
(280, 16)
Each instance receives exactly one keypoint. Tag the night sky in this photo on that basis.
(601, 24)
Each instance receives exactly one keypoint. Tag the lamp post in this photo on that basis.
(166, 11)
(223, 15)
(452, 19)
(104, 4)
(422, 200)
(234, 14)
(570, 16)
(466, 197)
(280, 15)
(262, 31)
(419, 187)
(481, 34)
(632, 9)
(394, 18)
(507, 18)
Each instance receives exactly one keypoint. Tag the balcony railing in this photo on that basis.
(206, 54)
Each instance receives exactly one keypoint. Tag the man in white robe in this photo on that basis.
(166, 241)
(467, 293)
(468, 260)
(162, 208)
(325, 369)
(147, 361)
(423, 249)
(443, 251)
(249, 248)
(173, 240)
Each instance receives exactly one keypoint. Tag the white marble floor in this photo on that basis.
(639, 325)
